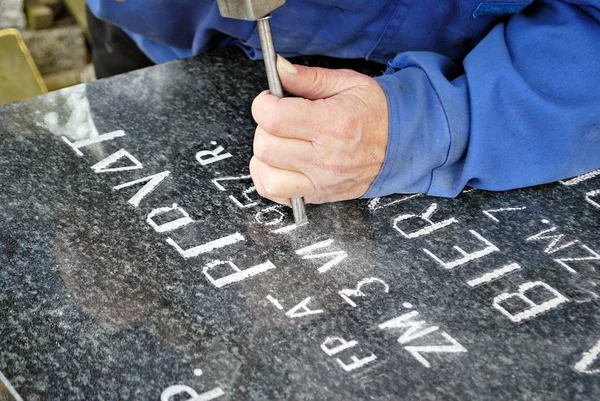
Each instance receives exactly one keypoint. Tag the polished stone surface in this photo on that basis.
(108, 292)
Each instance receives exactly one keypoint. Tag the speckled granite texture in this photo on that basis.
(109, 292)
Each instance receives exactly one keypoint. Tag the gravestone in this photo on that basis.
(138, 262)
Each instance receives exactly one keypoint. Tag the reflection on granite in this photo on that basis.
(137, 262)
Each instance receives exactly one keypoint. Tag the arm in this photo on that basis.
(525, 111)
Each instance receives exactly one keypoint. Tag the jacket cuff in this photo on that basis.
(428, 126)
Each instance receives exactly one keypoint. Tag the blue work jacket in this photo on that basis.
(491, 94)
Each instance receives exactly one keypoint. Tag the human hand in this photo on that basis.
(328, 144)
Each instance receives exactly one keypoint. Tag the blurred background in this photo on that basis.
(44, 46)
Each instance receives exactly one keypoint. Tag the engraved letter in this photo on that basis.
(209, 246)
(102, 165)
(346, 293)
(343, 344)
(426, 217)
(172, 393)
(171, 225)
(467, 257)
(151, 181)
(238, 274)
(86, 142)
(205, 157)
(533, 309)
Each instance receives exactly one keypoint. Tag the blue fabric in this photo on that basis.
(495, 102)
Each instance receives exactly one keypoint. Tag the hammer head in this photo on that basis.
(249, 10)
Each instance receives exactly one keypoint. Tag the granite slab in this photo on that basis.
(138, 263)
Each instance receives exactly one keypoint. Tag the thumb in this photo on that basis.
(314, 82)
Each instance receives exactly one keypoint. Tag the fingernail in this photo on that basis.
(285, 66)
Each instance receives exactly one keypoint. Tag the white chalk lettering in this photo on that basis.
(413, 327)
(490, 213)
(302, 309)
(591, 196)
(102, 165)
(238, 275)
(467, 257)
(249, 202)
(581, 178)
(205, 157)
(417, 350)
(87, 142)
(554, 240)
(494, 275)
(209, 246)
(171, 225)
(337, 256)
(592, 255)
(374, 204)
(275, 302)
(286, 229)
(532, 309)
(217, 181)
(342, 345)
(262, 215)
(346, 293)
(356, 362)
(588, 359)
(170, 393)
(426, 217)
(151, 181)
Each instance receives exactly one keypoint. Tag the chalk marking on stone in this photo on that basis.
(417, 350)
(346, 293)
(207, 247)
(413, 327)
(10, 388)
(179, 389)
(425, 216)
(245, 193)
(215, 156)
(338, 256)
(152, 181)
(595, 256)
(374, 203)
(286, 229)
(86, 142)
(356, 362)
(493, 275)
(305, 310)
(589, 195)
(587, 359)
(264, 211)
(334, 350)
(220, 187)
(534, 309)
(467, 257)
(171, 225)
(554, 240)
(581, 178)
(275, 302)
(239, 274)
(489, 213)
(102, 165)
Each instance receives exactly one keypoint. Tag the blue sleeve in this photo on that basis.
(523, 110)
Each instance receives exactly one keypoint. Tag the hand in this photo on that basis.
(328, 144)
